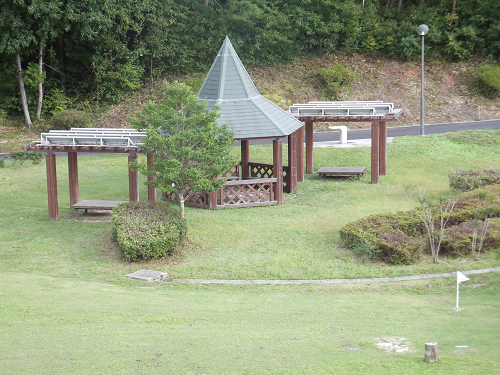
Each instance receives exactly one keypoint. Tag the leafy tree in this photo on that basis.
(190, 150)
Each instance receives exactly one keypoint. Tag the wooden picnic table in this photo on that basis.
(341, 171)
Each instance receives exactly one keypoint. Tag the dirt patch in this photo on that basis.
(393, 344)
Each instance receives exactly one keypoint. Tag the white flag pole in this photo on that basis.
(460, 277)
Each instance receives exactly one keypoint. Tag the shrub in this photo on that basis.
(458, 239)
(489, 80)
(473, 179)
(335, 79)
(2, 163)
(146, 230)
(71, 118)
(21, 156)
(400, 238)
(392, 238)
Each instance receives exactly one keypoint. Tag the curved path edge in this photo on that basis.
(330, 281)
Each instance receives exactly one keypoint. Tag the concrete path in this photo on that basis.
(330, 281)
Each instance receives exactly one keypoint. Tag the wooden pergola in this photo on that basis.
(378, 113)
(78, 140)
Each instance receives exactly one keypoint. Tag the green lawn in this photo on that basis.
(65, 307)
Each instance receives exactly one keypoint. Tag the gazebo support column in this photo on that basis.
(245, 159)
(383, 148)
(292, 162)
(309, 147)
(300, 154)
(152, 194)
(375, 152)
(50, 160)
(278, 169)
(74, 194)
(133, 180)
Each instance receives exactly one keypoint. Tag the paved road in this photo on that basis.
(366, 133)
(399, 131)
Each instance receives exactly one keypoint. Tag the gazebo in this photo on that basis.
(250, 116)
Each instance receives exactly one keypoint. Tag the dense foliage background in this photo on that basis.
(96, 51)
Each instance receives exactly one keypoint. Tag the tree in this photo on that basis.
(190, 149)
(434, 217)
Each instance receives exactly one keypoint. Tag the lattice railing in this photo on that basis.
(234, 171)
(260, 170)
(245, 193)
(194, 199)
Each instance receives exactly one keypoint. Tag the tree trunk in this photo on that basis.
(27, 118)
(181, 204)
(206, 2)
(40, 85)
(452, 11)
(388, 5)
(400, 4)
(60, 44)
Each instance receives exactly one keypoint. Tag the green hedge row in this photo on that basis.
(146, 230)
(473, 179)
(400, 238)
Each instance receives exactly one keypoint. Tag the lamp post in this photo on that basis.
(422, 30)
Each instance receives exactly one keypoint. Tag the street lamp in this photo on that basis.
(422, 30)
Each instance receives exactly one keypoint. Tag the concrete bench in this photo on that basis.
(343, 132)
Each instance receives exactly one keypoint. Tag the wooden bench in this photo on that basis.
(95, 205)
(343, 132)
(341, 171)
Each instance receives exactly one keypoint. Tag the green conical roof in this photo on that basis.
(248, 113)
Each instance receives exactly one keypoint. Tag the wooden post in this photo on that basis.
(133, 180)
(375, 152)
(245, 159)
(212, 199)
(300, 154)
(74, 193)
(309, 147)
(152, 193)
(278, 170)
(292, 162)
(431, 354)
(383, 148)
(50, 160)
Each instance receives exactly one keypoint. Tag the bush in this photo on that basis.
(71, 118)
(21, 156)
(146, 230)
(392, 238)
(458, 239)
(2, 163)
(473, 179)
(400, 238)
(335, 79)
(489, 80)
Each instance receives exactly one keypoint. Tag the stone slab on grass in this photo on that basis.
(148, 275)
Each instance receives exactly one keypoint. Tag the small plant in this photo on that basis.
(2, 163)
(489, 80)
(21, 156)
(146, 230)
(473, 179)
(65, 120)
(336, 79)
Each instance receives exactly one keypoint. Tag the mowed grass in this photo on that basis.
(73, 326)
(66, 307)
